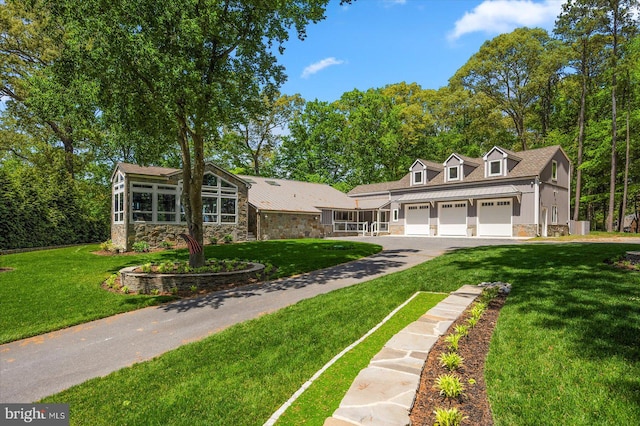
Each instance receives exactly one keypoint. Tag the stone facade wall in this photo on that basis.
(278, 226)
(524, 230)
(557, 230)
(119, 235)
(396, 229)
(155, 234)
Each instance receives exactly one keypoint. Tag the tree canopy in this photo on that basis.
(87, 83)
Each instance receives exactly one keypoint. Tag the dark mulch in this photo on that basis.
(473, 348)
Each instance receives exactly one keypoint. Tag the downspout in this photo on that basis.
(536, 186)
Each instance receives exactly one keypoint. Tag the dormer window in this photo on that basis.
(499, 162)
(453, 173)
(495, 168)
(418, 177)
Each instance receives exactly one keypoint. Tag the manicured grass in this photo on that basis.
(52, 289)
(323, 397)
(566, 348)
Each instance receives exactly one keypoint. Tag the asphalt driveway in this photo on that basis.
(33, 368)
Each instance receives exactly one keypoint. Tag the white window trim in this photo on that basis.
(396, 215)
(154, 190)
(554, 215)
(554, 168)
(219, 192)
(489, 163)
(458, 174)
(422, 177)
(118, 199)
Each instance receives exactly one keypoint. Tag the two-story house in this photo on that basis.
(501, 194)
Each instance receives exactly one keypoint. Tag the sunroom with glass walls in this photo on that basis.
(147, 207)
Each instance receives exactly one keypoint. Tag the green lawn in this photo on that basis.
(323, 397)
(52, 289)
(566, 348)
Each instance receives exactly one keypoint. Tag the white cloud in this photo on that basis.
(390, 3)
(500, 16)
(320, 65)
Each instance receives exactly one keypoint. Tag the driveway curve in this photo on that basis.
(33, 368)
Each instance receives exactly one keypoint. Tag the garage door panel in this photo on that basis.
(417, 219)
(494, 218)
(452, 219)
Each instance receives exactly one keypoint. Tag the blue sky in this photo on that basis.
(373, 43)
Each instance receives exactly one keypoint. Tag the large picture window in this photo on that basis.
(210, 209)
(166, 207)
(141, 202)
(160, 203)
(228, 210)
(219, 200)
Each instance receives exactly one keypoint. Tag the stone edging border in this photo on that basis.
(146, 282)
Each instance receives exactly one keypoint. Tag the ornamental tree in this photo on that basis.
(184, 67)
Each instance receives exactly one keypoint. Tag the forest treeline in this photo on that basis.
(75, 104)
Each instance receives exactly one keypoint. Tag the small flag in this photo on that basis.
(194, 246)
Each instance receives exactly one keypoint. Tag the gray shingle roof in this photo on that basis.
(134, 169)
(531, 163)
(294, 196)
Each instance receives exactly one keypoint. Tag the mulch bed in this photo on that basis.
(473, 348)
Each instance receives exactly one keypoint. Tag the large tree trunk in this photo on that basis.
(581, 120)
(192, 175)
(623, 207)
(614, 130)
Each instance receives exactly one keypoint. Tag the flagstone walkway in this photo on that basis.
(383, 393)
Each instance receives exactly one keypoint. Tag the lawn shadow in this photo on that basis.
(571, 291)
(598, 304)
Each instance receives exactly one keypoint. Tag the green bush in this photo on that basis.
(41, 208)
(140, 246)
(449, 386)
(453, 340)
(449, 417)
(451, 360)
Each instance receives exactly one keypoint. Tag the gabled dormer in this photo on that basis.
(457, 167)
(498, 162)
(422, 171)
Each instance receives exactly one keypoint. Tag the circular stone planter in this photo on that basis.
(145, 283)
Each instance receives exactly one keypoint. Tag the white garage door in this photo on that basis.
(494, 218)
(417, 219)
(452, 219)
